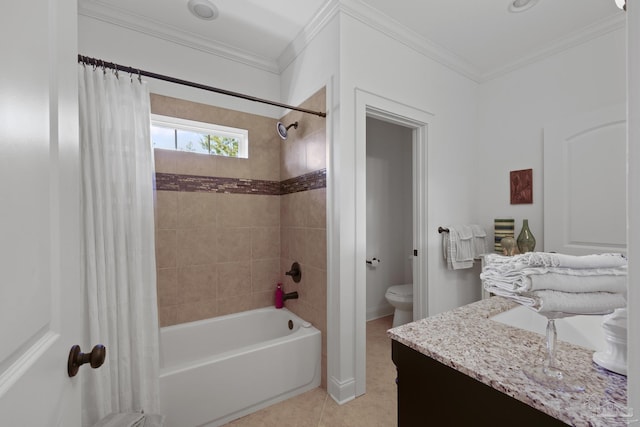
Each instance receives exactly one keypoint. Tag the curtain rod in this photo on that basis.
(135, 71)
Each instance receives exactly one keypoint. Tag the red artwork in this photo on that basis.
(521, 186)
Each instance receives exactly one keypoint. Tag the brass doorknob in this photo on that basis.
(77, 358)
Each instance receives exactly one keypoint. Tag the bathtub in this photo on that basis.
(585, 331)
(216, 370)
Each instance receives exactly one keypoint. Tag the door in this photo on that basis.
(585, 183)
(40, 301)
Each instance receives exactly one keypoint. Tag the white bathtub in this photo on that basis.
(216, 370)
(585, 331)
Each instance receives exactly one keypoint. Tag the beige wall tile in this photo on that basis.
(299, 206)
(196, 310)
(224, 253)
(195, 164)
(234, 305)
(234, 278)
(234, 244)
(197, 210)
(265, 163)
(166, 209)
(230, 167)
(265, 274)
(293, 161)
(196, 283)
(167, 282)
(168, 316)
(165, 161)
(266, 211)
(316, 247)
(197, 246)
(265, 242)
(236, 210)
(316, 151)
(317, 208)
(166, 248)
(286, 210)
(262, 299)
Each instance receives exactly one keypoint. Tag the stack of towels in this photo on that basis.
(550, 282)
(462, 244)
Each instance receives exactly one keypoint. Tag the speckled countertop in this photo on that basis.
(467, 340)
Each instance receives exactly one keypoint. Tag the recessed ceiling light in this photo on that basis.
(203, 9)
(521, 5)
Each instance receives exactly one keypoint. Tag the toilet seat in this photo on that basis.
(401, 290)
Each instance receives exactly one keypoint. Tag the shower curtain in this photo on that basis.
(118, 244)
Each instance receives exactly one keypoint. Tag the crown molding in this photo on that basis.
(574, 39)
(375, 19)
(98, 10)
(312, 29)
(355, 9)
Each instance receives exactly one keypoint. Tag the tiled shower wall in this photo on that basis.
(227, 229)
(303, 223)
(216, 253)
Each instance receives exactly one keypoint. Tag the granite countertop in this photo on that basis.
(493, 353)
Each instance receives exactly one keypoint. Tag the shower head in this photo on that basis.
(283, 130)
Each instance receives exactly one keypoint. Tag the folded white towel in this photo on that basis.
(545, 259)
(548, 301)
(572, 283)
(131, 419)
(556, 278)
(577, 303)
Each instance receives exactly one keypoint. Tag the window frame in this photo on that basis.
(206, 129)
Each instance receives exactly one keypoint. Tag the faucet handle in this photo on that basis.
(295, 272)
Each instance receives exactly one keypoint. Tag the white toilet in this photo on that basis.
(401, 297)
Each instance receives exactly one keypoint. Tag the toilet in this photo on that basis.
(401, 298)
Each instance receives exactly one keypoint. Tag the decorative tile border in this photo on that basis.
(306, 182)
(208, 184)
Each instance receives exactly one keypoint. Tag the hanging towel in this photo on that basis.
(462, 244)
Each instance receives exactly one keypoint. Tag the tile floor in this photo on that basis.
(376, 408)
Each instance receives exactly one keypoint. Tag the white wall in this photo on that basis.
(514, 109)
(123, 46)
(372, 61)
(389, 211)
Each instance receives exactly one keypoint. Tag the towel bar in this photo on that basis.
(442, 230)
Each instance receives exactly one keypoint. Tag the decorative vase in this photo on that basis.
(526, 241)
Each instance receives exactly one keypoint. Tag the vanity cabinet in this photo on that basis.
(431, 393)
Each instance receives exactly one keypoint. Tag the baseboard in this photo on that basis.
(342, 392)
(378, 312)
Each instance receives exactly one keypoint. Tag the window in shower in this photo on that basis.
(172, 133)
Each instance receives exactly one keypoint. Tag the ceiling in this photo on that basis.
(479, 38)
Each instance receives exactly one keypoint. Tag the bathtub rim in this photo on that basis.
(301, 332)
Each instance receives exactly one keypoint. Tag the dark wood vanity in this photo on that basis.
(460, 368)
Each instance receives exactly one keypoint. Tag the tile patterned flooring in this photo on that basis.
(376, 408)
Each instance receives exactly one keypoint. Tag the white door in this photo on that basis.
(585, 183)
(40, 296)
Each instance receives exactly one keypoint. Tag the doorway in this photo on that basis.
(416, 122)
(389, 212)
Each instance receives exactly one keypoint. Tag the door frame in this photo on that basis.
(369, 104)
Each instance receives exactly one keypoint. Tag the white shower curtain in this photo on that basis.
(118, 244)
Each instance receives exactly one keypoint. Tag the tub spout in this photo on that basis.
(290, 295)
